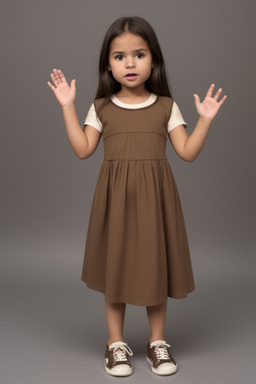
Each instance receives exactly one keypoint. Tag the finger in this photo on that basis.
(56, 76)
(54, 80)
(222, 100)
(197, 99)
(217, 94)
(61, 76)
(209, 93)
(52, 87)
(73, 84)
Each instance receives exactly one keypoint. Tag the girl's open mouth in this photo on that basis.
(131, 76)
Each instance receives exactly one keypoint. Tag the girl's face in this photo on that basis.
(130, 60)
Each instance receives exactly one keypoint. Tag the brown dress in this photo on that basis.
(136, 249)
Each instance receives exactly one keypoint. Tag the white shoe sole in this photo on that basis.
(127, 372)
(167, 372)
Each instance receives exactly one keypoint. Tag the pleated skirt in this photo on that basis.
(136, 249)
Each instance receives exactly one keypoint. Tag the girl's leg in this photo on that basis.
(157, 317)
(115, 318)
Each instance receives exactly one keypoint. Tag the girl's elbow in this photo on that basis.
(189, 157)
(81, 155)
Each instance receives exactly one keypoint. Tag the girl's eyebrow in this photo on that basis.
(135, 50)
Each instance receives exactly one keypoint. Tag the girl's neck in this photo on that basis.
(133, 96)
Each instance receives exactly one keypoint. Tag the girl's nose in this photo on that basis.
(130, 63)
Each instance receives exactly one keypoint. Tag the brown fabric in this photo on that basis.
(136, 249)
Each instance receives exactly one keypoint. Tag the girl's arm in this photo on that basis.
(188, 147)
(79, 139)
(76, 136)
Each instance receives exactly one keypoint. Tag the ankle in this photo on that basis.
(152, 339)
(114, 340)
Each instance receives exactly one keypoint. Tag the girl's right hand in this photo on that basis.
(64, 93)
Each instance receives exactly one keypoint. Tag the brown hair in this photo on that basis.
(156, 83)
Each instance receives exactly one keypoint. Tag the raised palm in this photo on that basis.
(210, 106)
(64, 93)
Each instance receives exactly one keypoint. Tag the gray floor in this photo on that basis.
(53, 327)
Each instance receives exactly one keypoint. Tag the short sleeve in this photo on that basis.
(91, 119)
(175, 118)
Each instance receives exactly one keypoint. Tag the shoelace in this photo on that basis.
(161, 350)
(119, 352)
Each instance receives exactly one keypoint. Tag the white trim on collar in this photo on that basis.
(149, 101)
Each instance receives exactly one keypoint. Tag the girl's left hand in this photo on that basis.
(210, 106)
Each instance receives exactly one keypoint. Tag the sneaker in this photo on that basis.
(160, 358)
(116, 359)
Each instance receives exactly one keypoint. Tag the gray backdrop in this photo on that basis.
(53, 328)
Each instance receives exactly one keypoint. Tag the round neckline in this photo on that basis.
(151, 100)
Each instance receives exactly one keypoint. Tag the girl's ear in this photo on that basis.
(109, 68)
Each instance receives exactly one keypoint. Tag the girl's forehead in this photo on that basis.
(127, 42)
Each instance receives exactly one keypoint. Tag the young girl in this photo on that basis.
(136, 249)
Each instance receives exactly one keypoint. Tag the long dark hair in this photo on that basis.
(156, 83)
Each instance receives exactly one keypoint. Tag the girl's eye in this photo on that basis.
(118, 57)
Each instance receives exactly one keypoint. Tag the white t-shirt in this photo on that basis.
(175, 118)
